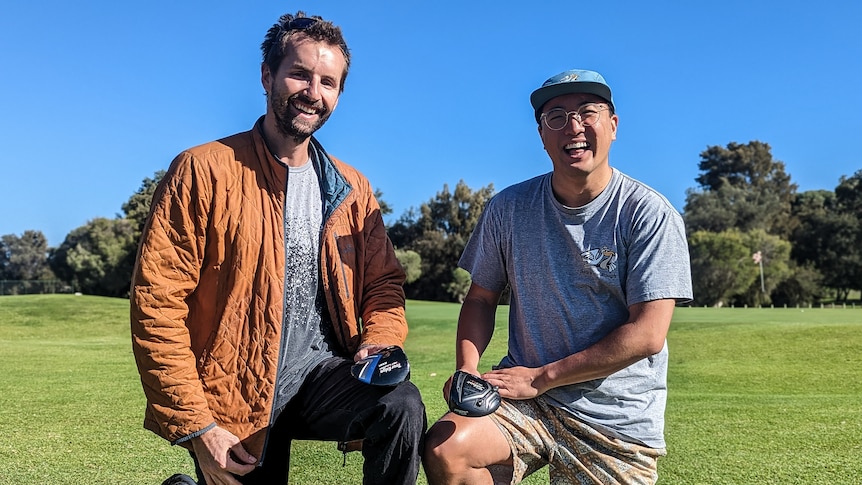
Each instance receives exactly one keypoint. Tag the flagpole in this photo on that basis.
(762, 286)
(758, 258)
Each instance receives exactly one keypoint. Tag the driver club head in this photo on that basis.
(472, 396)
(389, 367)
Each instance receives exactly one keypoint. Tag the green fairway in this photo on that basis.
(767, 396)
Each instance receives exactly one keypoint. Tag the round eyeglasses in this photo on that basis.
(587, 115)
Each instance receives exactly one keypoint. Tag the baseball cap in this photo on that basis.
(569, 82)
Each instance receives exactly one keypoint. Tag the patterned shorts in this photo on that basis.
(540, 434)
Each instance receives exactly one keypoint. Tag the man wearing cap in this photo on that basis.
(595, 262)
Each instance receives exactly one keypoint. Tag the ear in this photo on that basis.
(614, 121)
(265, 77)
(541, 136)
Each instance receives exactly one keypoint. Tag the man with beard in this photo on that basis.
(264, 272)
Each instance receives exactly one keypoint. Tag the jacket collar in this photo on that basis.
(334, 187)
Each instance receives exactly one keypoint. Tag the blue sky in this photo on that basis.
(95, 96)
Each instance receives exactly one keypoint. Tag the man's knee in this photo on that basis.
(434, 454)
(450, 457)
(442, 447)
(463, 447)
(439, 433)
(405, 401)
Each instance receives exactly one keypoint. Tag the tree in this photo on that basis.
(829, 236)
(25, 257)
(460, 284)
(721, 266)
(848, 193)
(137, 208)
(440, 253)
(385, 208)
(405, 230)
(438, 233)
(97, 258)
(5, 254)
(741, 187)
(731, 207)
(411, 262)
(802, 287)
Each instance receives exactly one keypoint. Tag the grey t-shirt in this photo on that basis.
(573, 274)
(304, 335)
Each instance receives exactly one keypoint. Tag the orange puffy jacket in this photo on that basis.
(207, 289)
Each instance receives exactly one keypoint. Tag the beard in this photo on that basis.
(288, 121)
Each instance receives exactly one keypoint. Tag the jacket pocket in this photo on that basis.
(345, 264)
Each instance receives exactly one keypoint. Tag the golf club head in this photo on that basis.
(388, 367)
(472, 396)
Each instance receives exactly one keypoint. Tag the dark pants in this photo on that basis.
(334, 406)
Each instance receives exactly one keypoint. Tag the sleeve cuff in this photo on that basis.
(193, 435)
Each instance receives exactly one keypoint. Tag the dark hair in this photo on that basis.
(278, 37)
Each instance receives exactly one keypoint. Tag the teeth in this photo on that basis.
(577, 146)
(305, 109)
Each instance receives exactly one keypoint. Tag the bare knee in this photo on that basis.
(441, 452)
(459, 450)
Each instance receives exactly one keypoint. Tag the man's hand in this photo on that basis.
(367, 350)
(220, 456)
(517, 382)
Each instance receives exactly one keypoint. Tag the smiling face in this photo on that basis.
(304, 92)
(579, 151)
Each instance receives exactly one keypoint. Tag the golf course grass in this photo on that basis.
(757, 396)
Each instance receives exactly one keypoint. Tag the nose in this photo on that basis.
(312, 88)
(574, 123)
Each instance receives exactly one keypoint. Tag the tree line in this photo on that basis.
(753, 238)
